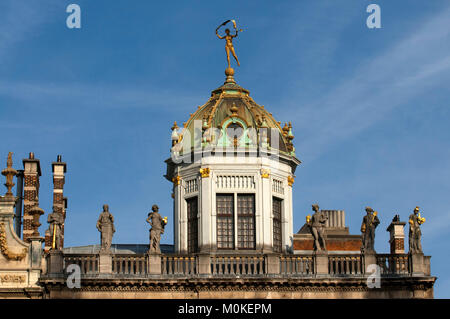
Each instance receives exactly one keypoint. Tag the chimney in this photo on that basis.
(397, 235)
(31, 174)
(19, 204)
(59, 201)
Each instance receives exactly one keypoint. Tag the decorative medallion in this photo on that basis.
(176, 180)
(290, 180)
(205, 172)
(265, 173)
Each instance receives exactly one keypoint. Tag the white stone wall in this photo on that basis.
(233, 175)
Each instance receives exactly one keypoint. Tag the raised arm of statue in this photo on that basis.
(220, 37)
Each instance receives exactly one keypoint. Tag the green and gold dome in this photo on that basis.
(232, 118)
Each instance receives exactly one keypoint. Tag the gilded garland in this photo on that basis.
(4, 246)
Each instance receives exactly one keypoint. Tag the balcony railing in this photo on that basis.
(296, 265)
(394, 264)
(88, 263)
(178, 265)
(238, 265)
(171, 265)
(346, 265)
(129, 264)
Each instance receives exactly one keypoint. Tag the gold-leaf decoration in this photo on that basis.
(205, 172)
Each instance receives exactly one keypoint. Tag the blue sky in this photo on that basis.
(369, 107)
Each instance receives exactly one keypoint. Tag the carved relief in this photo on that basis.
(4, 246)
(12, 279)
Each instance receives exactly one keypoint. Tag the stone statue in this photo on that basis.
(415, 220)
(317, 225)
(56, 221)
(369, 223)
(105, 226)
(229, 40)
(157, 223)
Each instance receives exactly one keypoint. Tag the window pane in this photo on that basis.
(276, 210)
(246, 221)
(192, 211)
(225, 221)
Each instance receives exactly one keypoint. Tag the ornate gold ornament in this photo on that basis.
(4, 246)
(176, 180)
(308, 219)
(420, 219)
(265, 173)
(290, 180)
(205, 172)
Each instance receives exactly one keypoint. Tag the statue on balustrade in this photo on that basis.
(368, 226)
(157, 223)
(317, 225)
(105, 226)
(415, 234)
(56, 221)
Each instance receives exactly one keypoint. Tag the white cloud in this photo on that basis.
(377, 87)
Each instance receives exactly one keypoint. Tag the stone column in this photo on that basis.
(105, 262)
(370, 258)
(55, 262)
(287, 218)
(59, 168)
(205, 209)
(178, 219)
(321, 263)
(154, 264)
(204, 264)
(273, 264)
(397, 236)
(32, 171)
(36, 252)
(266, 235)
(418, 267)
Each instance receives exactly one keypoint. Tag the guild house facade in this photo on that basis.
(232, 167)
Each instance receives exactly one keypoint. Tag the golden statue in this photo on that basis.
(229, 40)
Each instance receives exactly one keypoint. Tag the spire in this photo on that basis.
(9, 172)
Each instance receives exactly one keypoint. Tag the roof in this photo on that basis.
(232, 104)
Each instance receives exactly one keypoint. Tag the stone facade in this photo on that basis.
(233, 221)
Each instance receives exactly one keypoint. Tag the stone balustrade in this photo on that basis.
(170, 265)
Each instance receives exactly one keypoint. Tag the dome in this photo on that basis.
(232, 118)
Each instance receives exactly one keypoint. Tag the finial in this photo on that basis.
(59, 158)
(229, 72)
(175, 126)
(9, 173)
(234, 109)
(31, 155)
